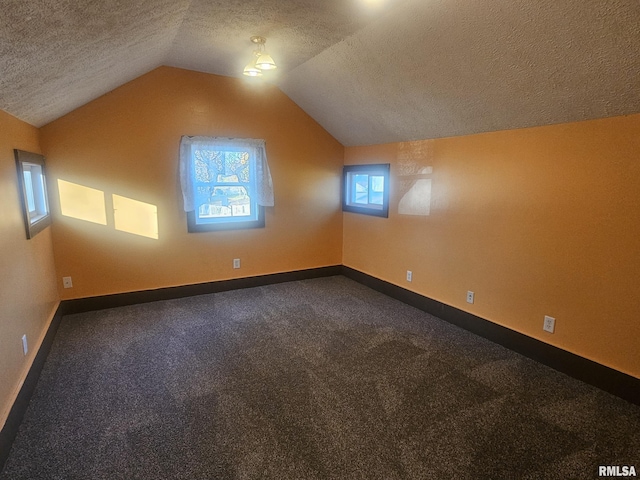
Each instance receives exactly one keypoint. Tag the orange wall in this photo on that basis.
(126, 143)
(535, 221)
(28, 297)
(539, 221)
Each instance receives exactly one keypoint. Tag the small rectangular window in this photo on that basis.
(365, 189)
(33, 191)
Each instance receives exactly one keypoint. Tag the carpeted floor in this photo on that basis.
(316, 379)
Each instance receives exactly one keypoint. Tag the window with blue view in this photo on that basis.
(223, 186)
(365, 189)
(225, 182)
(33, 191)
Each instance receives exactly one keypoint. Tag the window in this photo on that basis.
(365, 189)
(225, 183)
(33, 191)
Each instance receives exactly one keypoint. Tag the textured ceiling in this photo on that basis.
(444, 67)
(404, 70)
(214, 35)
(56, 55)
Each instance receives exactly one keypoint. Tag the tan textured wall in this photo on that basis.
(126, 143)
(28, 296)
(538, 221)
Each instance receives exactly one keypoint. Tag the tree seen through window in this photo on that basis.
(222, 183)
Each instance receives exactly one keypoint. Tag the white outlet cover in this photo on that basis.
(236, 263)
(549, 324)
(25, 346)
(409, 275)
(470, 296)
(66, 282)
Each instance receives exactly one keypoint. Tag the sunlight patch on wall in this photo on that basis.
(88, 204)
(135, 217)
(83, 203)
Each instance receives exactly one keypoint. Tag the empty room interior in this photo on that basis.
(337, 239)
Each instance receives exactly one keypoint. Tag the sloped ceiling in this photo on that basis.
(368, 71)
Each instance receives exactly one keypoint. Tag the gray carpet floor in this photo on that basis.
(317, 379)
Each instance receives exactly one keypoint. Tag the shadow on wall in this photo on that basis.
(88, 204)
(414, 178)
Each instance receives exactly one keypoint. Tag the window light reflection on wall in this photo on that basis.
(417, 199)
(135, 217)
(82, 203)
(88, 204)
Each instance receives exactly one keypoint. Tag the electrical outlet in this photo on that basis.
(470, 296)
(66, 282)
(549, 324)
(25, 347)
(236, 263)
(409, 275)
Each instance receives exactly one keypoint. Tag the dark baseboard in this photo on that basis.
(610, 380)
(607, 379)
(67, 307)
(19, 408)
(81, 305)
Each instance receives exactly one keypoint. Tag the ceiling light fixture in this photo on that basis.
(262, 60)
(252, 70)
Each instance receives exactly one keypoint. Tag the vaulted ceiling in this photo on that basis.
(369, 71)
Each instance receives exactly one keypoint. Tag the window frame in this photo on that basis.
(231, 223)
(377, 169)
(194, 227)
(38, 218)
